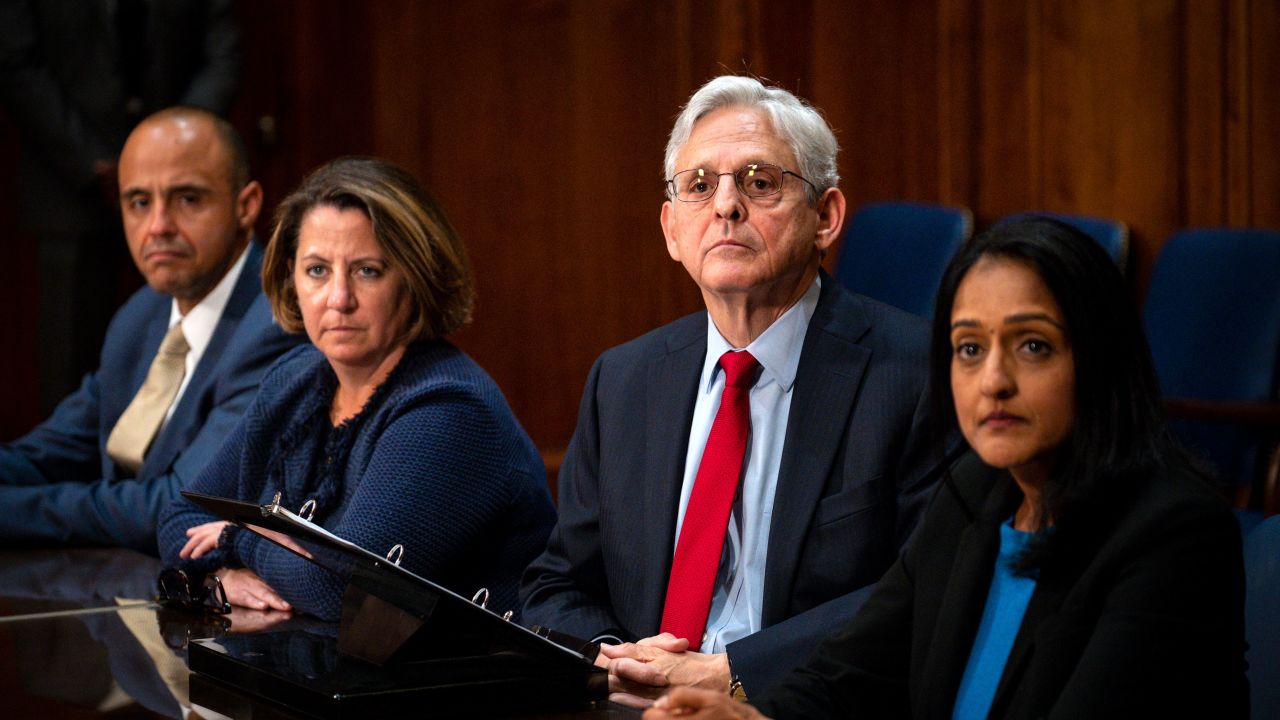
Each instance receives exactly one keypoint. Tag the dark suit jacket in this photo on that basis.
(854, 477)
(57, 484)
(1142, 618)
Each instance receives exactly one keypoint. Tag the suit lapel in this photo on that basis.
(188, 415)
(964, 597)
(152, 330)
(671, 391)
(1045, 602)
(827, 379)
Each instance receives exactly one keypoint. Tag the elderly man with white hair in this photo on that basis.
(740, 478)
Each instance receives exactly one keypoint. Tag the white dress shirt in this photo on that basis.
(738, 594)
(200, 322)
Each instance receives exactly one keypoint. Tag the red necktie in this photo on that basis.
(693, 572)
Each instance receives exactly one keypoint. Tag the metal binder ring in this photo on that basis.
(308, 510)
(481, 597)
(275, 502)
(398, 551)
(507, 615)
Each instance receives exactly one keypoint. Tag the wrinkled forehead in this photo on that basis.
(728, 138)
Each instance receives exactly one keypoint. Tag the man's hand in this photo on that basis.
(640, 672)
(702, 705)
(202, 539)
(246, 589)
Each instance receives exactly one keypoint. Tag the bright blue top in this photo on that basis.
(1006, 604)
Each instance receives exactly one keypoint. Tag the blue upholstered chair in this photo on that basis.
(1262, 617)
(896, 252)
(1112, 235)
(1213, 320)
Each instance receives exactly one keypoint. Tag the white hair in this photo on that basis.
(796, 122)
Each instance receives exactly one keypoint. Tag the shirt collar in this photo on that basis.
(778, 347)
(200, 322)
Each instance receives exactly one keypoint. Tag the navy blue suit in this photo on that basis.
(57, 484)
(854, 477)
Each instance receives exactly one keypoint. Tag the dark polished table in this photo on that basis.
(81, 637)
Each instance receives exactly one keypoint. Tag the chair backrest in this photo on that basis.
(896, 252)
(1213, 320)
(1262, 617)
(1112, 235)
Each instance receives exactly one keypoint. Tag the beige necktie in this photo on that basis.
(137, 427)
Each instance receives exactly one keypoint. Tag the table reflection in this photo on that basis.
(80, 634)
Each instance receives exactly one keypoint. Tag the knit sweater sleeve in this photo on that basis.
(224, 475)
(435, 478)
(219, 478)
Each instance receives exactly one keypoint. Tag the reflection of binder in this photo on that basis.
(398, 620)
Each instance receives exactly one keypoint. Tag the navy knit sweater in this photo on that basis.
(435, 461)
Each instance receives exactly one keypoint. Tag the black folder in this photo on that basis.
(404, 642)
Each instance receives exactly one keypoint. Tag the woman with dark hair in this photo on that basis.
(391, 433)
(1074, 564)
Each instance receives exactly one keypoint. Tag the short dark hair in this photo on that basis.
(409, 226)
(1119, 433)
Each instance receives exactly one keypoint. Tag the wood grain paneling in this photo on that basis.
(1263, 186)
(540, 125)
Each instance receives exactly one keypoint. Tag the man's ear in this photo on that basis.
(667, 218)
(248, 205)
(831, 209)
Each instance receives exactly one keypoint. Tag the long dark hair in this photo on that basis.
(1119, 434)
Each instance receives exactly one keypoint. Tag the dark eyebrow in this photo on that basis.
(1032, 317)
(186, 188)
(1012, 319)
(357, 261)
(198, 189)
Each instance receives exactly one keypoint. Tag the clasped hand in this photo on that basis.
(242, 585)
(642, 671)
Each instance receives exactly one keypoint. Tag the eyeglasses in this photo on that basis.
(756, 180)
(180, 627)
(176, 592)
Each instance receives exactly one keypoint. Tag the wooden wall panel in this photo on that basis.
(1263, 66)
(1008, 115)
(542, 136)
(875, 79)
(1202, 199)
(1109, 115)
(540, 125)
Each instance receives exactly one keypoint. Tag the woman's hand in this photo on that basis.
(246, 589)
(202, 539)
(685, 702)
(248, 620)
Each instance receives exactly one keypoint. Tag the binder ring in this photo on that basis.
(275, 502)
(398, 551)
(481, 597)
(507, 615)
(308, 510)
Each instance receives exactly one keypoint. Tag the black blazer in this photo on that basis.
(1145, 620)
(854, 478)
